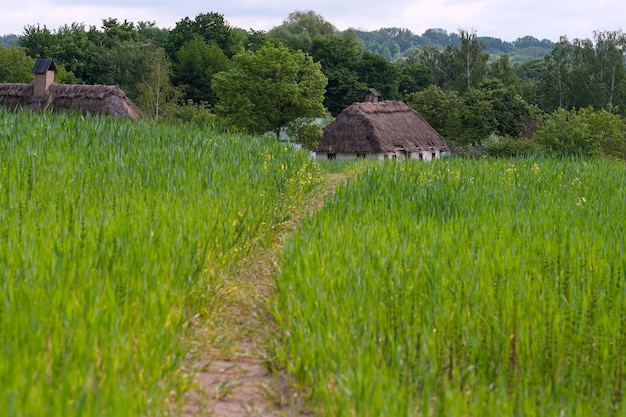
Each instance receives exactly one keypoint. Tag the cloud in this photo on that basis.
(496, 18)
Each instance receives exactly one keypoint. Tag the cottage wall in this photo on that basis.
(422, 156)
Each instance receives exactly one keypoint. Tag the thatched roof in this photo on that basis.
(386, 126)
(99, 99)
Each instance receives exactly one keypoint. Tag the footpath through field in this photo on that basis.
(230, 356)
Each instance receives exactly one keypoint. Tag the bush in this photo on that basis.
(505, 147)
(566, 133)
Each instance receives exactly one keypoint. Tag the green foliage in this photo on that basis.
(37, 40)
(375, 72)
(212, 27)
(567, 133)
(126, 65)
(440, 108)
(74, 50)
(470, 60)
(397, 44)
(114, 239)
(610, 129)
(508, 147)
(266, 90)
(197, 114)
(529, 75)
(582, 73)
(300, 28)
(197, 62)
(9, 40)
(502, 70)
(15, 65)
(413, 76)
(306, 132)
(337, 57)
(157, 97)
(471, 118)
(457, 288)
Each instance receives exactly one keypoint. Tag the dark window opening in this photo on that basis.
(332, 156)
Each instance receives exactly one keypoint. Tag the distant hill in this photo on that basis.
(394, 44)
(9, 40)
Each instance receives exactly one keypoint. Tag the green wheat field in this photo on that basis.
(452, 288)
(462, 288)
(112, 238)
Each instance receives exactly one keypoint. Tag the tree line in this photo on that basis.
(205, 71)
(396, 44)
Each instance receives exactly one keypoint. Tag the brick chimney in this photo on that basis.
(44, 70)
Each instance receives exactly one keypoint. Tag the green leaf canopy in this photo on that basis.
(266, 90)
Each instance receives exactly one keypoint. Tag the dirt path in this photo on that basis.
(230, 360)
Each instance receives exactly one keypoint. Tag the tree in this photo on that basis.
(270, 88)
(610, 54)
(337, 57)
(374, 71)
(300, 29)
(36, 40)
(557, 79)
(609, 128)
(529, 75)
(502, 70)
(306, 132)
(125, 65)
(470, 60)
(414, 75)
(157, 96)
(197, 62)
(15, 65)
(440, 108)
(209, 26)
(566, 133)
(74, 50)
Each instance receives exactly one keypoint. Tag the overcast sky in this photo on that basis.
(504, 19)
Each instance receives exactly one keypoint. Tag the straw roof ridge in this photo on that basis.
(97, 98)
(386, 126)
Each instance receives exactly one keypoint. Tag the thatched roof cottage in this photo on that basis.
(45, 94)
(380, 130)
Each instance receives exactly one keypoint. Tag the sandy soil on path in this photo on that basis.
(230, 363)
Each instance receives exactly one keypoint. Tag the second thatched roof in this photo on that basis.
(97, 99)
(383, 127)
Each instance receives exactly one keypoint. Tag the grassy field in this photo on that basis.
(459, 288)
(445, 288)
(114, 237)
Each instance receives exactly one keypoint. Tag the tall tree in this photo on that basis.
(157, 96)
(212, 27)
(269, 89)
(337, 57)
(610, 55)
(300, 28)
(15, 65)
(557, 80)
(440, 108)
(502, 70)
(470, 60)
(73, 49)
(374, 71)
(37, 40)
(196, 64)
